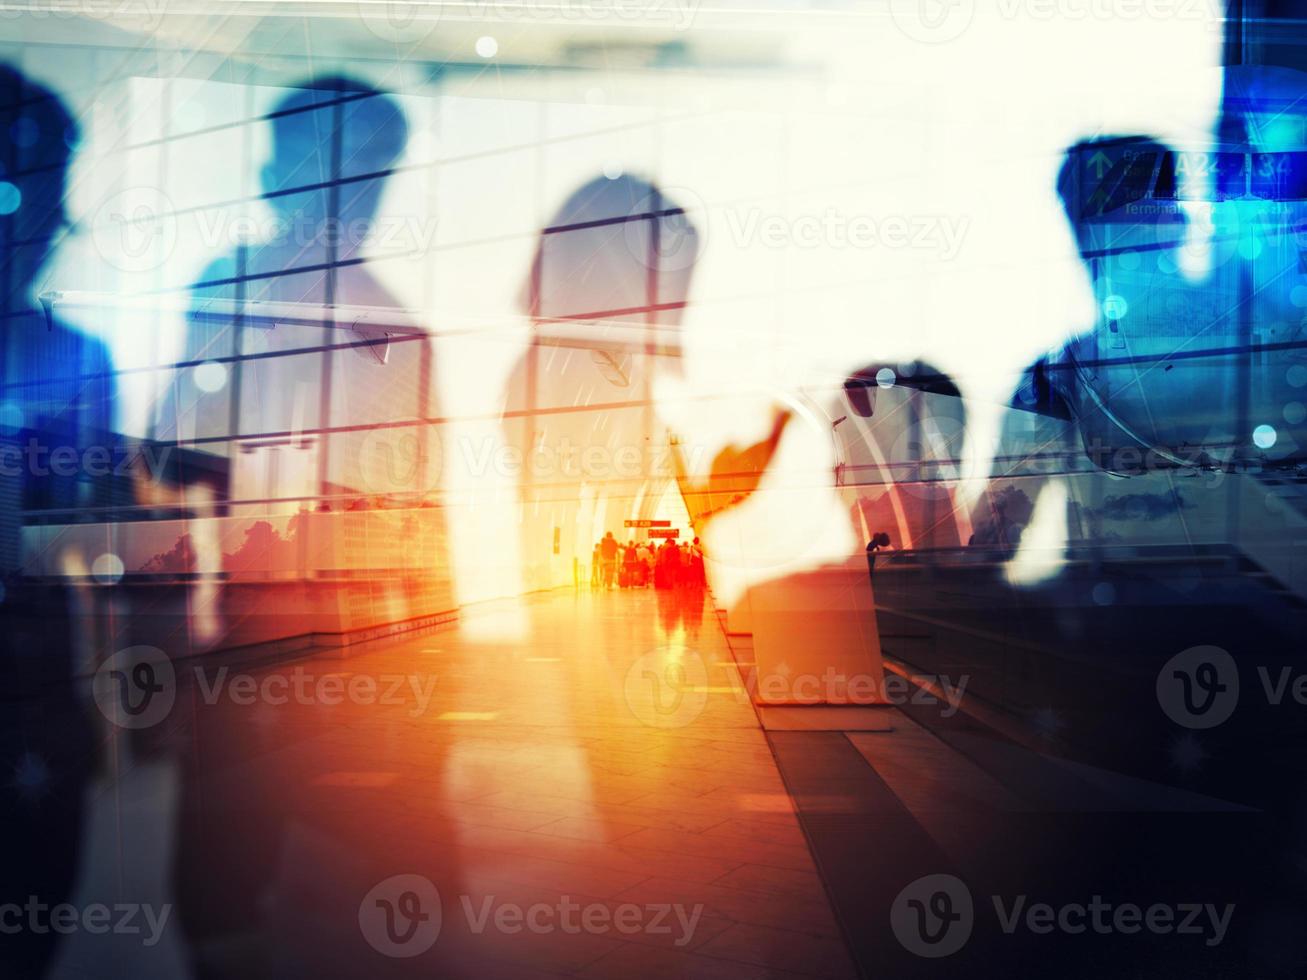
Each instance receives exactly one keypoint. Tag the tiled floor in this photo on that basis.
(588, 750)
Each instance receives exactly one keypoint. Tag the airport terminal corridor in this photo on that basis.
(653, 489)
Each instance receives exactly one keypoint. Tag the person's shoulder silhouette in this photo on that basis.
(334, 143)
(57, 381)
(56, 392)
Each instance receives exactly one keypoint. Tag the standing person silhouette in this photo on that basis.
(335, 141)
(321, 411)
(58, 391)
(610, 548)
(1056, 412)
(607, 290)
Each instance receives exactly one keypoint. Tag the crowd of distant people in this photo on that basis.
(640, 564)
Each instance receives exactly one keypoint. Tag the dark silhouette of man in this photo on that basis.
(609, 548)
(1056, 411)
(57, 392)
(335, 141)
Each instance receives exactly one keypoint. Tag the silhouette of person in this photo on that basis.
(609, 547)
(608, 286)
(698, 572)
(334, 143)
(1057, 413)
(58, 391)
(57, 380)
(899, 452)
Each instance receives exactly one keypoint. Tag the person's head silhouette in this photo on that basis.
(1101, 178)
(615, 247)
(38, 136)
(338, 137)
